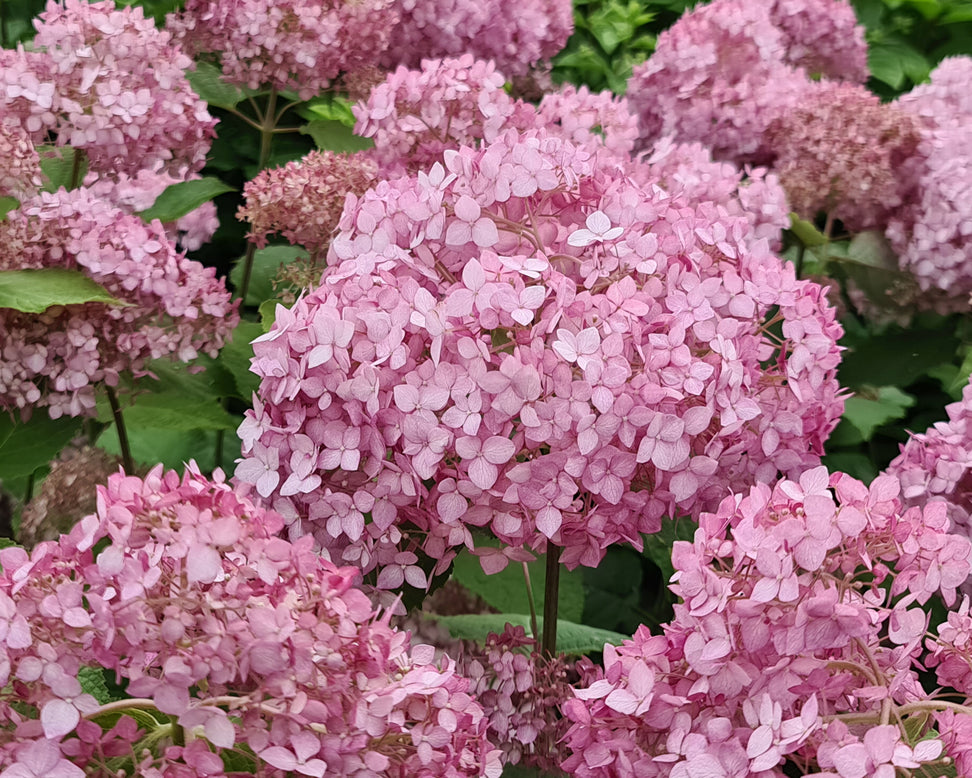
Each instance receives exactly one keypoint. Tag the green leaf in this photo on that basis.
(895, 358)
(58, 166)
(26, 446)
(266, 266)
(506, 591)
(961, 13)
(853, 463)
(92, 681)
(892, 61)
(268, 313)
(332, 108)
(961, 378)
(34, 291)
(172, 448)
(179, 199)
(870, 409)
(176, 411)
(613, 591)
(332, 135)
(236, 356)
(806, 232)
(521, 771)
(658, 547)
(7, 204)
(207, 81)
(571, 638)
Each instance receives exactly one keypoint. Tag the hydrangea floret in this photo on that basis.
(106, 81)
(799, 637)
(231, 641)
(170, 306)
(525, 342)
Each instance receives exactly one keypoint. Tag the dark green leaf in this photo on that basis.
(506, 590)
(63, 167)
(266, 266)
(571, 638)
(853, 463)
(92, 681)
(658, 547)
(895, 358)
(871, 408)
(613, 591)
(186, 196)
(26, 446)
(207, 81)
(236, 356)
(332, 135)
(7, 204)
(34, 291)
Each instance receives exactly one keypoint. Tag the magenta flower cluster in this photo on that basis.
(169, 305)
(526, 341)
(106, 81)
(798, 636)
(296, 45)
(231, 639)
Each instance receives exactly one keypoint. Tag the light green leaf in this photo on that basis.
(7, 204)
(34, 291)
(506, 590)
(179, 199)
(334, 108)
(176, 411)
(26, 446)
(207, 81)
(571, 638)
(266, 266)
(332, 135)
(268, 313)
(805, 231)
(151, 445)
(58, 166)
(870, 409)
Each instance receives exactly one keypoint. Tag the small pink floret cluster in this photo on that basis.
(170, 305)
(800, 619)
(106, 81)
(526, 341)
(256, 648)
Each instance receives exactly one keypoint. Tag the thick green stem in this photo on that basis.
(551, 599)
(268, 123)
(126, 451)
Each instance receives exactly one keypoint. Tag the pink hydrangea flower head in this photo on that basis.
(586, 117)
(303, 200)
(782, 626)
(930, 232)
(171, 306)
(841, 151)
(526, 340)
(822, 37)
(718, 76)
(297, 45)
(106, 81)
(19, 162)
(249, 642)
(515, 39)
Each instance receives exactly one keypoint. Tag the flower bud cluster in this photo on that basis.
(527, 341)
(515, 39)
(253, 647)
(106, 81)
(798, 637)
(303, 199)
(296, 45)
(169, 305)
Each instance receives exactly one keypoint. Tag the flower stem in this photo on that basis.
(126, 451)
(268, 122)
(551, 597)
(532, 603)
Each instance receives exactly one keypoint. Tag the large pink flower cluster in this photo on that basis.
(841, 151)
(303, 199)
(108, 82)
(296, 45)
(20, 172)
(687, 169)
(171, 306)
(724, 71)
(243, 644)
(415, 115)
(930, 234)
(514, 38)
(937, 464)
(528, 342)
(799, 638)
